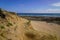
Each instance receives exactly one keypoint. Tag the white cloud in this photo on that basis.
(53, 10)
(56, 4)
(44, 11)
(50, 11)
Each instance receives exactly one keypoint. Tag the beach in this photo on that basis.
(47, 27)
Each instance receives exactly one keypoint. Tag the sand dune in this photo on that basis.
(14, 27)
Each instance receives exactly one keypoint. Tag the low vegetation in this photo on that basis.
(2, 27)
(30, 35)
(33, 36)
(9, 24)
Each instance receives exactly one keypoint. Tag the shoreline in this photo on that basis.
(55, 20)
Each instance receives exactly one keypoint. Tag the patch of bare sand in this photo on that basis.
(50, 28)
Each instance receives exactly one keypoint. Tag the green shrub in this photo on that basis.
(28, 22)
(9, 24)
(2, 27)
(30, 35)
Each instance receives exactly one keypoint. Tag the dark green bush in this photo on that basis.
(9, 24)
(30, 35)
(2, 27)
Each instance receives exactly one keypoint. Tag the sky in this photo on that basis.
(31, 6)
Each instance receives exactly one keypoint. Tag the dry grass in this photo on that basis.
(32, 34)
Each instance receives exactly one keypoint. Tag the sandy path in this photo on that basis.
(46, 27)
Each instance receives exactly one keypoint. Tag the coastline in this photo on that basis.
(55, 20)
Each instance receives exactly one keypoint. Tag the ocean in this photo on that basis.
(40, 14)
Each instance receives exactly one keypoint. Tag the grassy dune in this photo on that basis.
(14, 27)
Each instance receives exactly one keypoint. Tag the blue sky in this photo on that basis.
(31, 6)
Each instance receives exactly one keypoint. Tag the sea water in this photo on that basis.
(40, 14)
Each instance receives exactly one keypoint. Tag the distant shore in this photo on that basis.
(43, 18)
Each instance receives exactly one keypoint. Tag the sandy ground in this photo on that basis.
(47, 27)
